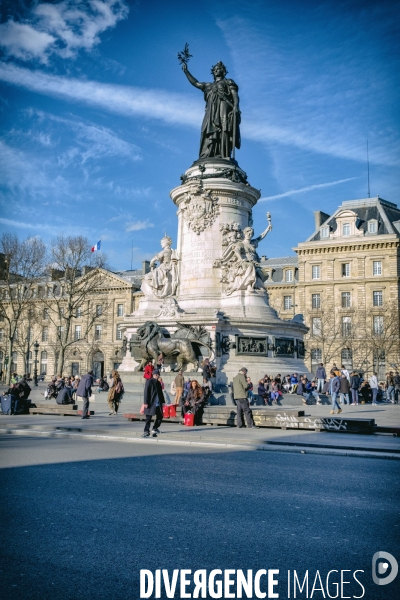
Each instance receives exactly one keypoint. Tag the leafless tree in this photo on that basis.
(75, 274)
(22, 266)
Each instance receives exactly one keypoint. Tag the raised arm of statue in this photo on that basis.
(192, 79)
(264, 233)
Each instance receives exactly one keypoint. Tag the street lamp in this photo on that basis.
(36, 347)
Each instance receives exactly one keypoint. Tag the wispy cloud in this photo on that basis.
(309, 188)
(61, 28)
(130, 101)
(138, 225)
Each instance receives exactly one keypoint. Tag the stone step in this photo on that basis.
(277, 419)
(55, 406)
(59, 411)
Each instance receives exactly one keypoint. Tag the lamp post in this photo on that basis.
(36, 347)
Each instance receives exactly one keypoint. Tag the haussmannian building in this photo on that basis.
(344, 280)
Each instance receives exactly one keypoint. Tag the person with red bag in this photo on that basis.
(195, 398)
(153, 404)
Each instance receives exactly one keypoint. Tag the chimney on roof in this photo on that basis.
(320, 218)
(145, 266)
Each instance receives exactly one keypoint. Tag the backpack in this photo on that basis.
(119, 388)
(106, 387)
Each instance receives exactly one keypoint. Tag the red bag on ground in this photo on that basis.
(165, 410)
(172, 410)
(188, 420)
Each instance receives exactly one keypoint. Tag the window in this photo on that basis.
(61, 312)
(316, 355)
(316, 272)
(1, 335)
(43, 363)
(346, 229)
(346, 326)
(346, 299)
(287, 302)
(346, 270)
(45, 314)
(324, 232)
(372, 226)
(377, 298)
(97, 333)
(14, 360)
(60, 330)
(378, 325)
(120, 310)
(49, 292)
(316, 326)
(99, 310)
(74, 369)
(78, 332)
(45, 334)
(316, 300)
(118, 334)
(347, 358)
(377, 267)
(78, 313)
(289, 275)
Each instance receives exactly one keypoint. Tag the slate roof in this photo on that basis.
(131, 276)
(386, 213)
(278, 264)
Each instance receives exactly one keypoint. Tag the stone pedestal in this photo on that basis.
(213, 199)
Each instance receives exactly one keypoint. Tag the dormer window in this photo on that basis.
(372, 226)
(346, 229)
(289, 275)
(324, 232)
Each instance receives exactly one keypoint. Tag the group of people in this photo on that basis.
(188, 394)
(19, 391)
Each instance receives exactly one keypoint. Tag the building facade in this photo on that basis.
(98, 347)
(346, 285)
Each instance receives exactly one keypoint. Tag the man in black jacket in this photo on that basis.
(153, 401)
(64, 396)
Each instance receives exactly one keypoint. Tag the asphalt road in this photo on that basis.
(81, 518)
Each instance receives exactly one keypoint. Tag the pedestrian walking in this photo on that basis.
(334, 387)
(396, 381)
(354, 386)
(321, 377)
(344, 389)
(179, 383)
(84, 391)
(153, 402)
(390, 389)
(373, 383)
(240, 388)
(115, 393)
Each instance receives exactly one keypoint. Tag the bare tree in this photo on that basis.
(22, 266)
(325, 333)
(75, 275)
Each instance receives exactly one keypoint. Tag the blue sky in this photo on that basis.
(98, 121)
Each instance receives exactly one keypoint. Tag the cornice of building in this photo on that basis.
(383, 242)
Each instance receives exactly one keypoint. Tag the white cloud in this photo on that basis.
(309, 188)
(138, 225)
(61, 28)
(25, 42)
(130, 101)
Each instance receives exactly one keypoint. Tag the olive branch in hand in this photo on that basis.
(184, 56)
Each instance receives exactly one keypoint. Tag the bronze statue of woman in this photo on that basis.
(220, 132)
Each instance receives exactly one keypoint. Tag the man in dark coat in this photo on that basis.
(84, 390)
(64, 396)
(153, 401)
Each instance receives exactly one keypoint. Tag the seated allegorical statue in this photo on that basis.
(162, 280)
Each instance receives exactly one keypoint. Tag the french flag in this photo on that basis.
(96, 247)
